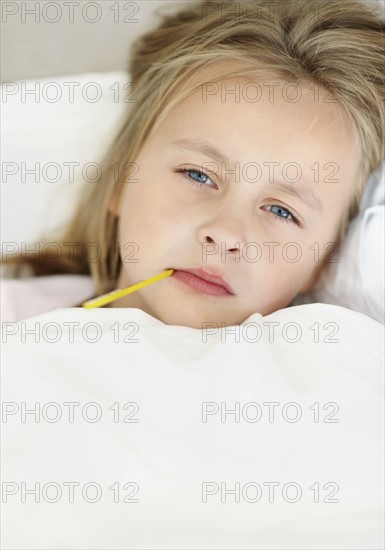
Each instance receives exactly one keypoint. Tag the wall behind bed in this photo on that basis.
(47, 38)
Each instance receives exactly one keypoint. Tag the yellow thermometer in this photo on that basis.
(116, 294)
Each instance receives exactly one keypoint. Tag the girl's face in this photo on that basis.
(261, 217)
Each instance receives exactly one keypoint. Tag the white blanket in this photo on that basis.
(299, 464)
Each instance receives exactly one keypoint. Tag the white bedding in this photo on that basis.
(169, 372)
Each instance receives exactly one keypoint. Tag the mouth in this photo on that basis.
(202, 282)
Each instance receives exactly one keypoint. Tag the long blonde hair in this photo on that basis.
(338, 46)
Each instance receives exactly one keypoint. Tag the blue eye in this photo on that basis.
(287, 216)
(186, 171)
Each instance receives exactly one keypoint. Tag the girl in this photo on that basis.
(256, 127)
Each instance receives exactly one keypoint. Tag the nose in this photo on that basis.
(226, 230)
(210, 240)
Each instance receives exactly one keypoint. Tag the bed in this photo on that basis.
(119, 431)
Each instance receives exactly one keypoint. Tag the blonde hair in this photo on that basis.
(338, 46)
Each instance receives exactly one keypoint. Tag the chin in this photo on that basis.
(194, 320)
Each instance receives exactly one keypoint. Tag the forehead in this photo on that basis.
(265, 119)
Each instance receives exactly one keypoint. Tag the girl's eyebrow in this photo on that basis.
(203, 147)
(304, 194)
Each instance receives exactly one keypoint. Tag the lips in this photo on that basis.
(203, 281)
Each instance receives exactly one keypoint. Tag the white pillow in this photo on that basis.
(40, 130)
(54, 134)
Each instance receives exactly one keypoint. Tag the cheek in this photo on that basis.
(291, 268)
(147, 214)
